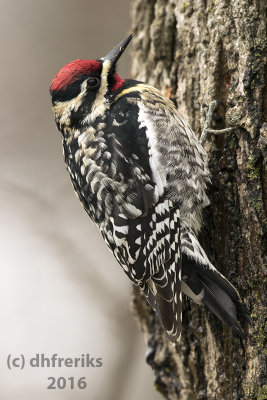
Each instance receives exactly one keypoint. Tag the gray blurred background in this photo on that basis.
(61, 291)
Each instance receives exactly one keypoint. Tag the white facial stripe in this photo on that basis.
(104, 79)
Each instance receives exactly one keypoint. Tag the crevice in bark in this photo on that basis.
(173, 74)
(224, 76)
(205, 4)
(262, 144)
(264, 94)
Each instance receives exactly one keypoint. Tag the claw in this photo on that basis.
(208, 118)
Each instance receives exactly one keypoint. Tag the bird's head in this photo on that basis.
(82, 88)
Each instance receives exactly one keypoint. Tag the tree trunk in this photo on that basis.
(196, 51)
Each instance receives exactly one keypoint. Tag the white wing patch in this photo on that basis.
(159, 176)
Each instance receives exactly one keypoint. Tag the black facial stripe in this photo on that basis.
(85, 108)
(69, 92)
(73, 90)
(111, 80)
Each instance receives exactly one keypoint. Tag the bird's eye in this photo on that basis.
(93, 82)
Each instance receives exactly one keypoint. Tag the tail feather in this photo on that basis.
(216, 277)
(193, 250)
(203, 283)
(220, 303)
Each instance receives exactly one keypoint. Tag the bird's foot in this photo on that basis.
(209, 117)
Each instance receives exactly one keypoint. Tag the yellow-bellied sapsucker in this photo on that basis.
(141, 175)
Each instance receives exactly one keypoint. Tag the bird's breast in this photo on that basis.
(87, 158)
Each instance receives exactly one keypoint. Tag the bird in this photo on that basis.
(141, 175)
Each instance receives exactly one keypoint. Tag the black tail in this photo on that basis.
(203, 283)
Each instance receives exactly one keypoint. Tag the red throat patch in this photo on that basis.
(118, 82)
(72, 71)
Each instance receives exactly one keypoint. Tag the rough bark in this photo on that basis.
(196, 51)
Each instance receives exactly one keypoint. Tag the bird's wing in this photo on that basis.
(143, 231)
(148, 249)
